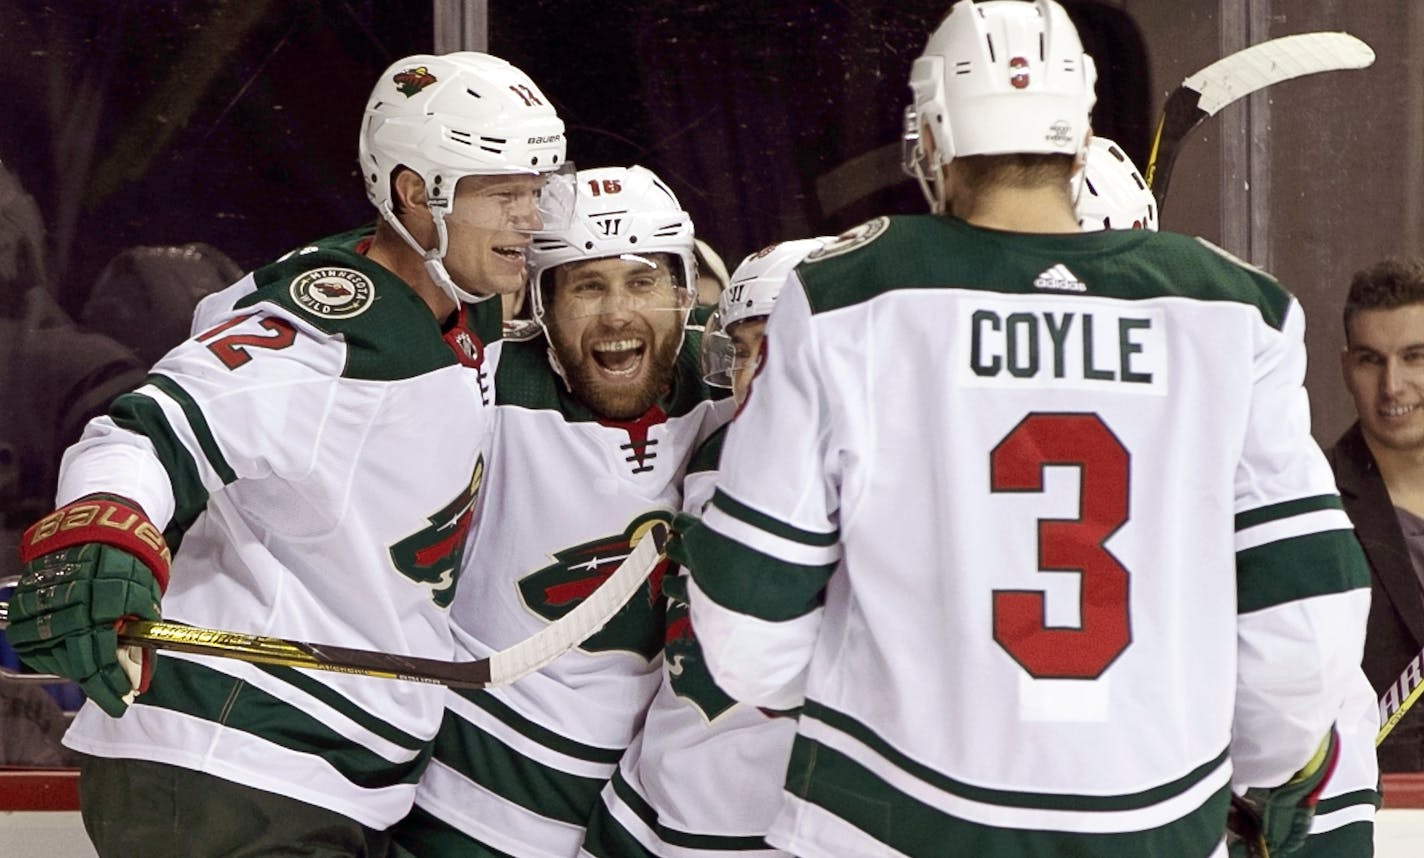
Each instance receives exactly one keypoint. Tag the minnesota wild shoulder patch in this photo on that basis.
(333, 293)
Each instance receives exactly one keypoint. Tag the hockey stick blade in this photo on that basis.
(500, 668)
(1236, 76)
(1402, 695)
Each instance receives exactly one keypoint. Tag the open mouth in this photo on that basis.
(1397, 410)
(512, 252)
(620, 358)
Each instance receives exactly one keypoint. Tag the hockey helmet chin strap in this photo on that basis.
(434, 258)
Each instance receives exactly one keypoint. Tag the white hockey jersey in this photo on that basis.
(703, 776)
(517, 769)
(315, 458)
(1035, 529)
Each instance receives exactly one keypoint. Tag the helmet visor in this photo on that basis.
(628, 283)
(516, 202)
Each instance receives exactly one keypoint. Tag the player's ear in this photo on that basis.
(408, 189)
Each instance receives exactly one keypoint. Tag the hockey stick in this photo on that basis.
(1404, 693)
(1236, 76)
(500, 668)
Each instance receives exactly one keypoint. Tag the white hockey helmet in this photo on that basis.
(618, 211)
(455, 115)
(750, 294)
(1000, 77)
(1113, 195)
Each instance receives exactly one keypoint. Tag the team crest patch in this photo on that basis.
(411, 81)
(851, 239)
(333, 293)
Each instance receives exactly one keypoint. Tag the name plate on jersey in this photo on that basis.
(1015, 341)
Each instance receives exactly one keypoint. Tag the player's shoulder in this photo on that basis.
(1204, 271)
(526, 379)
(331, 285)
(877, 256)
(343, 299)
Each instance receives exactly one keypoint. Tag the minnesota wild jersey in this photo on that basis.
(518, 769)
(703, 776)
(1034, 530)
(315, 457)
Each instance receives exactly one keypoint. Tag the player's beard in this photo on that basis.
(622, 401)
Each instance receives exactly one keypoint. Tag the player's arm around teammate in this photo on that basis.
(304, 460)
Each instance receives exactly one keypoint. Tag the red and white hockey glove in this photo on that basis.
(88, 567)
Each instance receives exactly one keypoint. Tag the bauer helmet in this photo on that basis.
(1113, 195)
(1000, 77)
(750, 294)
(455, 115)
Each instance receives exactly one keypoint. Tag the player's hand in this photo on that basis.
(676, 549)
(87, 567)
(1278, 819)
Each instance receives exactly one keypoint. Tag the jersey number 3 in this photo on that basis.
(1067, 545)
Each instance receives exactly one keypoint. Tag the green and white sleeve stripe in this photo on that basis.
(1294, 550)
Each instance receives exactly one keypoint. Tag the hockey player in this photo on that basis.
(307, 467)
(976, 517)
(703, 777)
(595, 422)
(1114, 195)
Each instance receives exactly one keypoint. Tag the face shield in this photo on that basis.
(726, 355)
(514, 202)
(648, 285)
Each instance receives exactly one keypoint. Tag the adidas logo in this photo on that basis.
(1060, 278)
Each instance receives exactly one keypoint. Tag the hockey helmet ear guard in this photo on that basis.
(750, 294)
(999, 77)
(455, 115)
(1113, 194)
(619, 212)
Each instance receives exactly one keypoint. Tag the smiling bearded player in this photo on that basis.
(595, 422)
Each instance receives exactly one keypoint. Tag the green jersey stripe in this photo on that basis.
(708, 456)
(837, 784)
(1006, 798)
(201, 692)
(1349, 799)
(673, 837)
(341, 704)
(1287, 509)
(534, 731)
(198, 424)
(761, 521)
(1286, 570)
(422, 833)
(500, 769)
(749, 582)
(140, 414)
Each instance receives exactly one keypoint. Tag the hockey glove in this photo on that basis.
(1279, 818)
(88, 567)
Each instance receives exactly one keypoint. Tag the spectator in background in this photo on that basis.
(1379, 468)
(145, 297)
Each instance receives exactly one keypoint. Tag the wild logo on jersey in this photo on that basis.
(686, 667)
(559, 587)
(432, 556)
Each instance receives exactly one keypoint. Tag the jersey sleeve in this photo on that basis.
(247, 398)
(1301, 578)
(769, 538)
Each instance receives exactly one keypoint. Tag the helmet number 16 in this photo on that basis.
(1067, 545)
